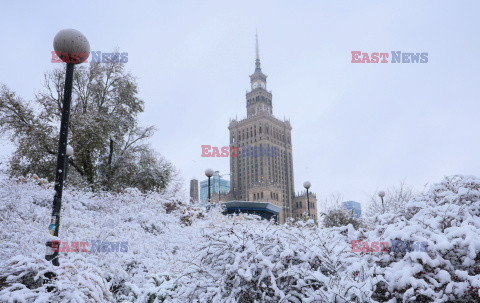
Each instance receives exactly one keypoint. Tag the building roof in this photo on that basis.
(265, 206)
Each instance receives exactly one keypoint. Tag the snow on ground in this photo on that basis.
(179, 253)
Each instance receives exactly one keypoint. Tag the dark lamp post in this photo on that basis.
(209, 173)
(72, 47)
(307, 185)
(381, 194)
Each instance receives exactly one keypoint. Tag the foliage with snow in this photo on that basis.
(177, 252)
(447, 217)
(111, 149)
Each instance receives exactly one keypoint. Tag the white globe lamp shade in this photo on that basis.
(71, 42)
(69, 152)
(209, 172)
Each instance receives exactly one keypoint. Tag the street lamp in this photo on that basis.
(209, 173)
(307, 185)
(72, 47)
(381, 194)
(68, 153)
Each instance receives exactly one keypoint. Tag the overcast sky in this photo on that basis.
(357, 128)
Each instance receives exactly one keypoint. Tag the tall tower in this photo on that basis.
(194, 190)
(263, 169)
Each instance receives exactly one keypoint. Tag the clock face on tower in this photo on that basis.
(255, 85)
(262, 84)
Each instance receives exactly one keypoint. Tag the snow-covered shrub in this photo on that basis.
(240, 258)
(258, 261)
(23, 279)
(152, 235)
(340, 216)
(447, 218)
(159, 288)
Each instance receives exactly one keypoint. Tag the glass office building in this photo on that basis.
(355, 206)
(216, 184)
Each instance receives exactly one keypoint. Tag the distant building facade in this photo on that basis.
(353, 206)
(194, 190)
(262, 177)
(217, 185)
(300, 206)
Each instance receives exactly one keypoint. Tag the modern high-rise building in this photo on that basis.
(218, 186)
(194, 190)
(263, 175)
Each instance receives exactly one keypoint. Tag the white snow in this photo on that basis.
(190, 255)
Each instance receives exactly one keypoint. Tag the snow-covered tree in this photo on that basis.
(340, 216)
(395, 198)
(334, 214)
(110, 147)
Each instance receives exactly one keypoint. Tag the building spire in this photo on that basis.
(256, 38)
(257, 60)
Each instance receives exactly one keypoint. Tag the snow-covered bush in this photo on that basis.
(447, 218)
(179, 253)
(23, 279)
(340, 216)
(252, 261)
(152, 235)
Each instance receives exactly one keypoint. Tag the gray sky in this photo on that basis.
(356, 127)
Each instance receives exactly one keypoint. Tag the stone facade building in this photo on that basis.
(300, 208)
(265, 172)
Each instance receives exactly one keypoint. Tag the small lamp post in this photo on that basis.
(209, 173)
(72, 47)
(68, 153)
(307, 185)
(381, 194)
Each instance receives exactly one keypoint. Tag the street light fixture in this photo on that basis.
(68, 153)
(72, 47)
(209, 173)
(381, 194)
(307, 185)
